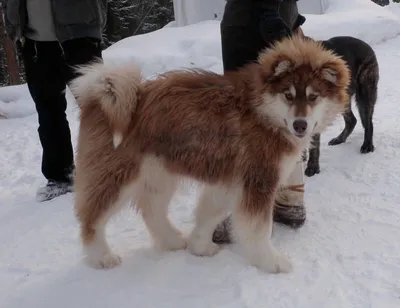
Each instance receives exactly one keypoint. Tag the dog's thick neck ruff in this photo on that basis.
(239, 134)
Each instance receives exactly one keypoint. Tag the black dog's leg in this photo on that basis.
(350, 122)
(304, 156)
(313, 160)
(366, 96)
(366, 113)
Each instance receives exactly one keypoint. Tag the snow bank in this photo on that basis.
(15, 102)
(394, 8)
(171, 48)
(359, 18)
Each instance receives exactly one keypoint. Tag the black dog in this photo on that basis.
(362, 62)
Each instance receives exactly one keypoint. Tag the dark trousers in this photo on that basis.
(49, 67)
(241, 37)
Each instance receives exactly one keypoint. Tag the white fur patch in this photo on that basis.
(292, 90)
(287, 166)
(319, 113)
(117, 139)
(282, 67)
(309, 90)
(275, 109)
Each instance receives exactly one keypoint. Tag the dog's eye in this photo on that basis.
(289, 96)
(312, 97)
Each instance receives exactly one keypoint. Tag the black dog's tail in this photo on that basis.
(367, 79)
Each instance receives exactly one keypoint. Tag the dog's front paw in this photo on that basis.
(175, 241)
(273, 263)
(367, 147)
(107, 260)
(208, 250)
(312, 170)
(200, 246)
(336, 141)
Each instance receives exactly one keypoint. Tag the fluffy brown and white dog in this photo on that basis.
(239, 135)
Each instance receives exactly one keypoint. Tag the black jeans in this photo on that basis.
(241, 35)
(49, 67)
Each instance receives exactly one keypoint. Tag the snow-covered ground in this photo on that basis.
(346, 255)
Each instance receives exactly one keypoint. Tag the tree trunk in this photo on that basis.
(11, 54)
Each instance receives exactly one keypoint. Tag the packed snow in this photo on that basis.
(346, 255)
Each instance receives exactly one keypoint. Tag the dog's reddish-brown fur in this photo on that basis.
(199, 125)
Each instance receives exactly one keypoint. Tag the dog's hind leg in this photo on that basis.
(366, 96)
(158, 189)
(313, 159)
(252, 223)
(94, 207)
(350, 123)
(153, 204)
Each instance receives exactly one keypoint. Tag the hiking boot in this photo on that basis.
(293, 216)
(289, 204)
(52, 190)
(222, 234)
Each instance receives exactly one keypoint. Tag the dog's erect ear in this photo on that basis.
(276, 67)
(335, 72)
(281, 66)
(330, 75)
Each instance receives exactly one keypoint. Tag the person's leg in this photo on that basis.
(78, 52)
(47, 87)
(236, 54)
(246, 29)
(289, 13)
(240, 36)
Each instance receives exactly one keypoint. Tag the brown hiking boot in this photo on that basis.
(289, 208)
(222, 234)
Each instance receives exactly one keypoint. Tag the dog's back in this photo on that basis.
(360, 58)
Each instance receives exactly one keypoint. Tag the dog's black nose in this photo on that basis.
(300, 126)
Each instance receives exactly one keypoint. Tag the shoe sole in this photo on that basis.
(290, 215)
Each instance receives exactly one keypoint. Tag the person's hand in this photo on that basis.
(273, 27)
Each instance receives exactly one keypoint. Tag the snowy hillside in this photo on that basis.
(347, 254)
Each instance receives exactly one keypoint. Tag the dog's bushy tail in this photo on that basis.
(114, 88)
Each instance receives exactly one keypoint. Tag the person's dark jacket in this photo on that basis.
(72, 18)
(248, 26)
(241, 10)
